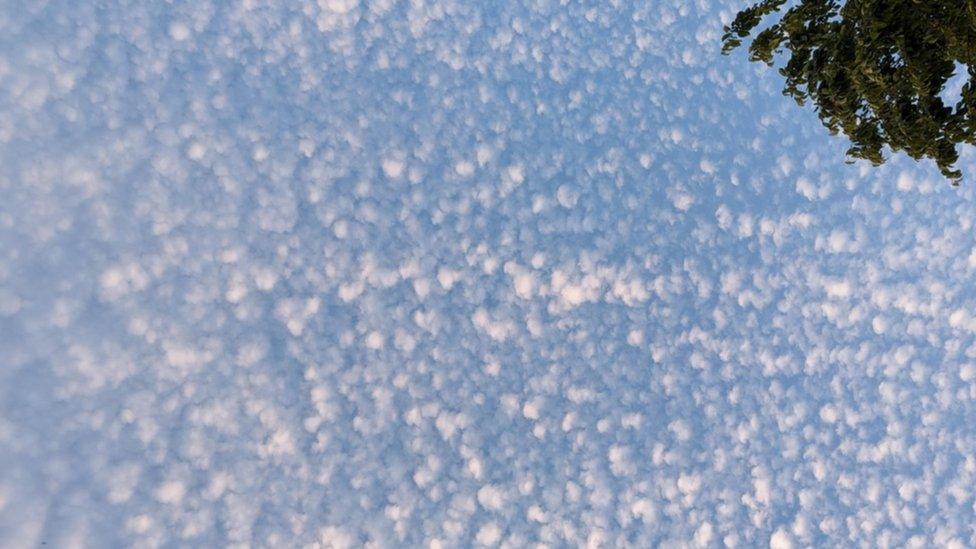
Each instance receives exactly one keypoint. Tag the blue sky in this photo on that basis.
(445, 274)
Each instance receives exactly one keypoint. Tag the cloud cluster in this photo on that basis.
(438, 274)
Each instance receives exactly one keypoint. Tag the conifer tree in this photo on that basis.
(874, 70)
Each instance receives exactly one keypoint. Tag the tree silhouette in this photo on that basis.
(875, 70)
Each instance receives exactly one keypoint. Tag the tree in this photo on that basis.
(875, 70)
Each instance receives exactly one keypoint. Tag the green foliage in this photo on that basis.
(874, 70)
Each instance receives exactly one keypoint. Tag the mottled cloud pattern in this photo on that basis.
(436, 273)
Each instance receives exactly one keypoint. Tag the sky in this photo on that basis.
(452, 273)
